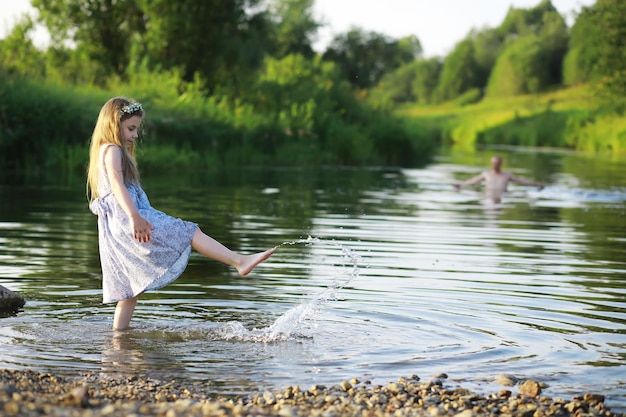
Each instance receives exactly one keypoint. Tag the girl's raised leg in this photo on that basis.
(123, 313)
(211, 248)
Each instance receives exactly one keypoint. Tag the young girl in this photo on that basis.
(141, 248)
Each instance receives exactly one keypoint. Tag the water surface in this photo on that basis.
(380, 273)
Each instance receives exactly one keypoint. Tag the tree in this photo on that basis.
(215, 39)
(18, 55)
(460, 72)
(395, 87)
(427, 73)
(412, 82)
(519, 22)
(583, 53)
(611, 23)
(535, 43)
(520, 69)
(488, 44)
(294, 28)
(103, 28)
(364, 57)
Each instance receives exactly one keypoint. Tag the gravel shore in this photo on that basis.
(26, 393)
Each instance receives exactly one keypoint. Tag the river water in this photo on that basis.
(380, 273)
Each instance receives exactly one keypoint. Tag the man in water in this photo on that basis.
(496, 180)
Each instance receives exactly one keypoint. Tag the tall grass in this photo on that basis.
(44, 125)
(571, 118)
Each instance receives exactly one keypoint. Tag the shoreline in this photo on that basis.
(28, 393)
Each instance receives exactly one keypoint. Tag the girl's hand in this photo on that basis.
(141, 229)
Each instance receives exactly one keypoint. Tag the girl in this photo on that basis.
(141, 248)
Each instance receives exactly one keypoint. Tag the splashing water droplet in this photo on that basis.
(287, 325)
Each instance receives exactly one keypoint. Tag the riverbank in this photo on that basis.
(26, 393)
(572, 118)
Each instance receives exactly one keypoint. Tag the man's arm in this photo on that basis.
(520, 180)
(471, 181)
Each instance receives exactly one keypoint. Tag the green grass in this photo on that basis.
(570, 118)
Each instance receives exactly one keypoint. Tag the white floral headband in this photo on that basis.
(130, 109)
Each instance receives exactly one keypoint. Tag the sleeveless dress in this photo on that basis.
(130, 268)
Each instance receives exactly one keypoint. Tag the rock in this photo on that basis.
(506, 380)
(10, 301)
(530, 388)
(594, 398)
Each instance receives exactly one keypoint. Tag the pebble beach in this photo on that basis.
(27, 393)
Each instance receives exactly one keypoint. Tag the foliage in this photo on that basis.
(364, 57)
(597, 49)
(611, 23)
(196, 37)
(535, 45)
(294, 28)
(547, 128)
(460, 72)
(218, 43)
(519, 69)
(566, 118)
(18, 55)
(300, 112)
(427, 73)
(597, 132)
(240, 83)
(102, 29)
(395, 87)
(487, 47)
(413, 82)
(42, 125)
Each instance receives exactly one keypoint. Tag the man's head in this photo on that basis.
(496, 163)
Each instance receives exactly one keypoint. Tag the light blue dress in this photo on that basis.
(130, 268)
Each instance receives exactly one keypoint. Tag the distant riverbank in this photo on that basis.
(571, 118)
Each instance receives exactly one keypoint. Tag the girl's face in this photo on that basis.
(130, 130)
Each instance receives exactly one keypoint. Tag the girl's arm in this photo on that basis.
(113, 163)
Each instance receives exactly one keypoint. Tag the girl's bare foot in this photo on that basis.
(248, 262)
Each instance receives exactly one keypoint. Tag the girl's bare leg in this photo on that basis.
(123, 313)
(211, 248)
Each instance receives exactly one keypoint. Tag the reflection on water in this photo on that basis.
(403, 275)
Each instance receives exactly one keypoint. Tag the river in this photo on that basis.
(379, 273)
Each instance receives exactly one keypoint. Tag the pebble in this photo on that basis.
(29, 394)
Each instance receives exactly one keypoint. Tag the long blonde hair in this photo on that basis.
(107, 131)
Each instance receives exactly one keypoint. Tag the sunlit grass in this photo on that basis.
(565, 118)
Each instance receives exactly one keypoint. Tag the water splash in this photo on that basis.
(289, 323)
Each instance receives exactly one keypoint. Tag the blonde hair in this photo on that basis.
(107, 131)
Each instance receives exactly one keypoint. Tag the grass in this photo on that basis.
(569, 118)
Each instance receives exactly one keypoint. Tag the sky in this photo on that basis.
(438, 24)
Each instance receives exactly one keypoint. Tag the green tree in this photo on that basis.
(520, 69)
(488, 44)
(215, 39)
(535, 43)
(611, 23)
(364, 57)
(18, 55)
(413, 82)
(395, 87)
(218, 40)
(583, 53)
(519, 22)
(427, 73)
(294, 27)
(103, 29)
(460, 72)
(597, 48)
